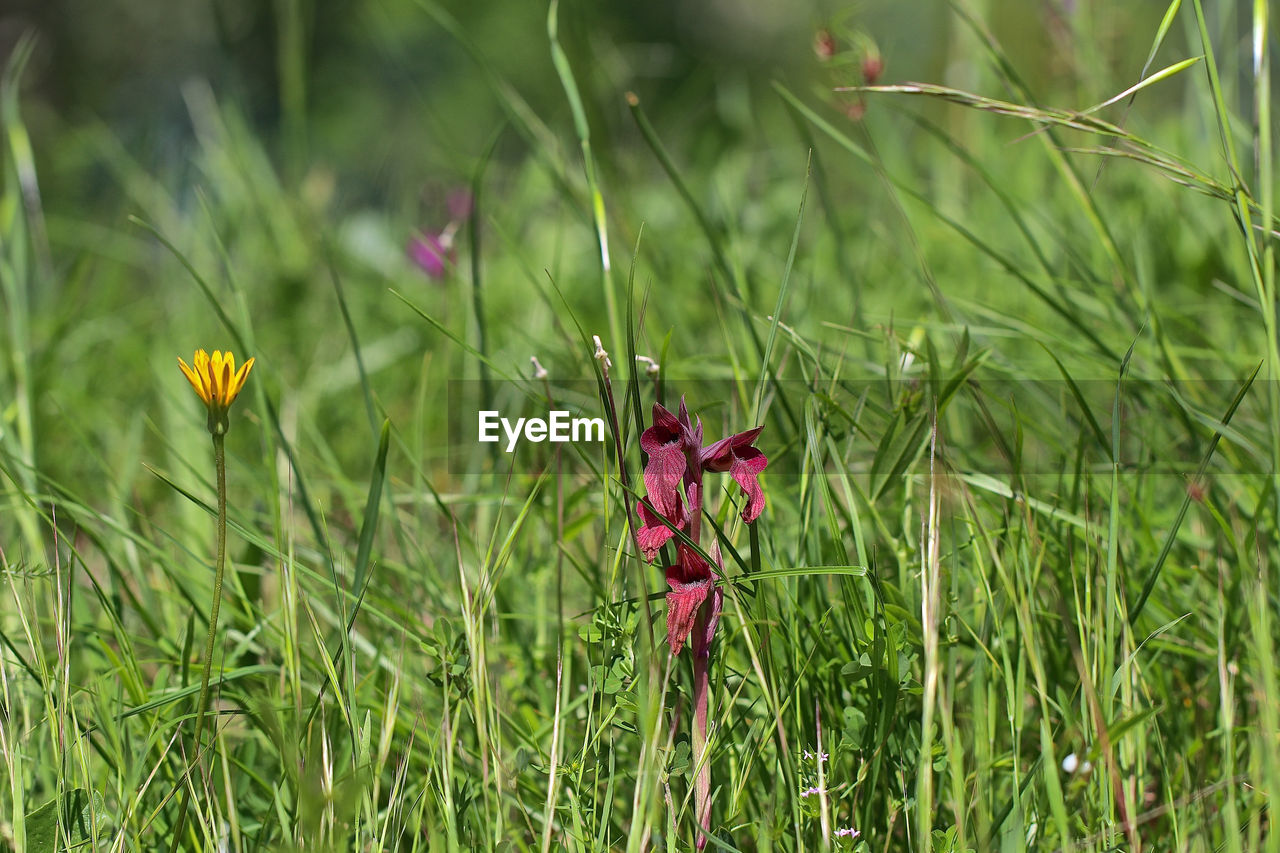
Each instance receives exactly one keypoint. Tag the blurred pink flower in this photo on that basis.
(433, 253)
(459, 204)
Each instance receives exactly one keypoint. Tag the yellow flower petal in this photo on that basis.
(241, 377)
(201, 364)
(215, 375)
(224, 385)
(193, 378)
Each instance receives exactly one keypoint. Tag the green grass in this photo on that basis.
(1017, 366)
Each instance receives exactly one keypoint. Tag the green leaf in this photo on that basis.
(79, 808)
(858, 669)
(370, 524)
(681, 759)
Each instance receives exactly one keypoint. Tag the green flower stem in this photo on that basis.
(702, 786)
(220, 463)
(701, 681)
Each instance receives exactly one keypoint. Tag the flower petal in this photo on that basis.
(707, 625)
(653, 534)
(431, 255)
(241, 377)
(223, 381)
(683, 602)
(200, 363)
(229, 371)
(745, 469)
(691, 580)
(662, 479)
(689, 566)
(719, 456)
(215, 376)
(667, 461)
(665, 427)
(192, 377)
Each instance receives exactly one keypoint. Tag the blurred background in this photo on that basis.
(380, 92)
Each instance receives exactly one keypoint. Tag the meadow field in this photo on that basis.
(967, 541)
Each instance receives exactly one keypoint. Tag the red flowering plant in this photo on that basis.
(675, 493)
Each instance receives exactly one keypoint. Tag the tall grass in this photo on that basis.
(1013, 341)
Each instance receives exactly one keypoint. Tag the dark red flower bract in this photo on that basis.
(673, 483)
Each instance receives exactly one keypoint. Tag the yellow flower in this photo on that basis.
(217, 382)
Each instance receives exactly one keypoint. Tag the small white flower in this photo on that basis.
(651, 367)
(1072, 764)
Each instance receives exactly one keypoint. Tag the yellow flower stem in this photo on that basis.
(220, 463)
